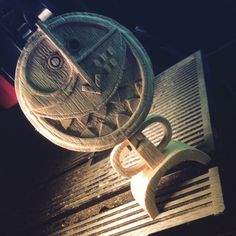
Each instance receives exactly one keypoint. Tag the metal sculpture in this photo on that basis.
(86, 83)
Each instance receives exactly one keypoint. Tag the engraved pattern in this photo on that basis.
(89, 99)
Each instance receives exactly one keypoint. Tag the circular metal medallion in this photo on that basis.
(84, 82)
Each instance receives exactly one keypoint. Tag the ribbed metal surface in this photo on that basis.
(182, 201)
(180, 95)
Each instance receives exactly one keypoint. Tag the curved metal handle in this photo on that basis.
(166, 126)
(117, 153)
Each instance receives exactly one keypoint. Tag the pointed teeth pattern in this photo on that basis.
(88, 89)
(87, 133)
(132, 104)
(115, 98)
(66, 123)
(121, 119)
(84, 120)
(102, 111)
(104, 129)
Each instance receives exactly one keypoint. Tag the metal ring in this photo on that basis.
(116, 159)
(166, 126)
(116, 156)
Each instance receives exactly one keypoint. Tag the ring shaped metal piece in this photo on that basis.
(166, 126)
(117, 155)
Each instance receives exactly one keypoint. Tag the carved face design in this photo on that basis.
(84, 82)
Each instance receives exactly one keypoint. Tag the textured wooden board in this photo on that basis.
(60, 202)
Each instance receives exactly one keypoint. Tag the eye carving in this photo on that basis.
(73, 45)
(55, 61)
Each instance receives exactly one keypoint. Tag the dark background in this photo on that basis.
(170, 31)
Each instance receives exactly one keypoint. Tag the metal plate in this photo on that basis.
(84, 82)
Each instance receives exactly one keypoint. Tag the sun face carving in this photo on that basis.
(84, 84)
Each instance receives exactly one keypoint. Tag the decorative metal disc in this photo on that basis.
(84, 82)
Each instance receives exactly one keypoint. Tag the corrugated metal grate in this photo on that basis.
(180, 95)
(179, 203)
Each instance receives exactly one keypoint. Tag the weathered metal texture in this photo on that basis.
(180, 96)
(94, 192)
(180, 200)
(84, 82)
